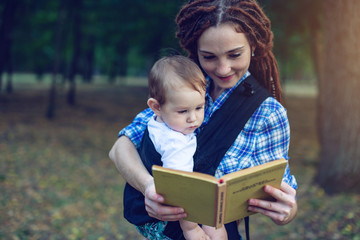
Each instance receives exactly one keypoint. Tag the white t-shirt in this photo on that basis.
(176, 149)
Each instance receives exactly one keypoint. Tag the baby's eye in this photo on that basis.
(182, 111)
(200, 108)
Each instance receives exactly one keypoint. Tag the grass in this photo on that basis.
(56, 180)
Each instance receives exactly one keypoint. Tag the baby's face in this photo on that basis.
(183, 110)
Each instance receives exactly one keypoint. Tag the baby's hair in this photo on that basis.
(171, 72)
(247, 17)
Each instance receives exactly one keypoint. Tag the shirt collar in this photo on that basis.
(227, 91)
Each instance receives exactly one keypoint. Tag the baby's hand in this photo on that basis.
(196, 234)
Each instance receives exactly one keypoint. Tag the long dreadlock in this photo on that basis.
(247, 16)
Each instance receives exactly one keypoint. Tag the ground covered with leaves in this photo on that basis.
(57, 182)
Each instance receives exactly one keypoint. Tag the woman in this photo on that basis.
(230, 40)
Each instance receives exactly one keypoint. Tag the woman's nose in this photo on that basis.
(223, 68)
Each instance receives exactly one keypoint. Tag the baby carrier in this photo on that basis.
(213, 141)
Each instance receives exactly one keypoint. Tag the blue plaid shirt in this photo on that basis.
(265, 137)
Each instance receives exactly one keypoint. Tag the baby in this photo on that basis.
(177, 97)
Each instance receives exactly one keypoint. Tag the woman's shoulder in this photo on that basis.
(270, 112)
(144, 116)
(271, 105)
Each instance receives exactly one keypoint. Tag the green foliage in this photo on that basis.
(125, 37)
(56, 180)
(115, 34)
(33, 37)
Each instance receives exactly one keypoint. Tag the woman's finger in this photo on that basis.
(155, 208)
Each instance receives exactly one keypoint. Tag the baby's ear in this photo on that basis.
(154, 105)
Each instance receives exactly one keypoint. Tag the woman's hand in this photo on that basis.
(283, 210)
(155, 208)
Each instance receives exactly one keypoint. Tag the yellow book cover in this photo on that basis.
(211, 201)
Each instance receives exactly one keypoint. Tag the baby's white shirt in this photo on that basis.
(176, 149)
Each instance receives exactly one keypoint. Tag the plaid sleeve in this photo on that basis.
(274, 138)
(135, 130)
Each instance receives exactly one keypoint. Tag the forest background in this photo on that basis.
(73, 73)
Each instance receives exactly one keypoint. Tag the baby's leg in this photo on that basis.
(214, 233)
(192, 231)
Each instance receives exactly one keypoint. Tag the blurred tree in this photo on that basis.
(50, 113)
(115, 20)
(339, 110)
(6, 39)
(133, 32)
(158, 27)
(75, 13)
(115, 35)
(33, 36)
(125, 37)
(297, 35)
(9, 82)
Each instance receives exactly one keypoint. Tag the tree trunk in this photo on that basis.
(339, 168)
(9, 82)
(7, 24)
(89, 58)
(76, 6)
(50, 113)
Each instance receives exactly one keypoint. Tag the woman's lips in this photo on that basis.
(225, 79)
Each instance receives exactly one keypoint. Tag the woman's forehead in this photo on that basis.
(222, 38)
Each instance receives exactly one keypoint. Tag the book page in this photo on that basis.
(241, 189)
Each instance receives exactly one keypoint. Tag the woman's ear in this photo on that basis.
(154, 105)
(253, 51)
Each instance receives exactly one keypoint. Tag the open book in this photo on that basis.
(214, 202)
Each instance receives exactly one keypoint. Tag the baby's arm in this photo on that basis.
(214, 233)
(192, 230)
(127, 160)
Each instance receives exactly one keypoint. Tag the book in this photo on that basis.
(214, 202)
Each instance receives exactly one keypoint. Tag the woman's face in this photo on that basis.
(225, 55)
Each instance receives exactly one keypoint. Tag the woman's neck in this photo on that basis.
(215, 91)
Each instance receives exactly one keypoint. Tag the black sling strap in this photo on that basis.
(220, 133)
(247, 227)
(226, 123)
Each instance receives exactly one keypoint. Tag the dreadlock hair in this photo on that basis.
(247, 17)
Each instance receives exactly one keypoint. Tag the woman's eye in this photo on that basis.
(208, 57)
(235, 55)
